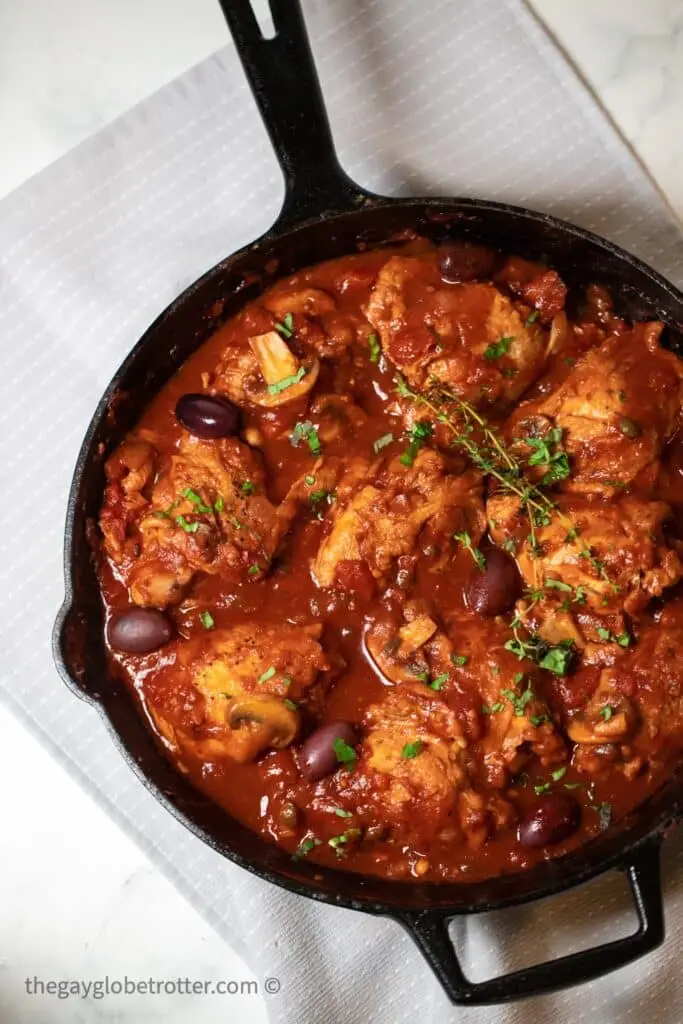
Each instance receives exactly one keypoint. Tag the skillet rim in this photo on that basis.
(557, 874)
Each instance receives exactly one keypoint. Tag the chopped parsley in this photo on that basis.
(537, 720)
(253, 570)
(557, 585)
(341, 813)
(382, 442)
(310, 480)
(287, 382)
(305, 846)
(492, 709)
(559, 773)
(187, 527)
(411, 750)
(417, 435)
(518, 701)
(498, 348)
(605, 815)
(268, 674)
(541, 787)
(219, 504)
(555, 658)
(285, 327)
(532, 317)
(459, 659)
(207, 620)
(345, 754)
(315, 497)
(247, 487)
(547, 453)
(196, 500)
(437, 684)
(290, 704)
(606, 712)
(306, 432)
(478, 557)
(375, 348)
(623, 639)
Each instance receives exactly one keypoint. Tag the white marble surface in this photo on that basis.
(78, 899)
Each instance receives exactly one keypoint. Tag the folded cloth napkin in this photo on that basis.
(430, 98)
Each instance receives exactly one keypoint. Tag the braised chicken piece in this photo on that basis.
(379, 516)
(470, 337)
(614, 412)
(206, 513)
(237, 692)
(393, 565)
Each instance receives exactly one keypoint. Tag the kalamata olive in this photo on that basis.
(496, 589)
(207, 415)
(629, 428)
(139, 630)
(463, 261)
(318, 756)
(555, 816)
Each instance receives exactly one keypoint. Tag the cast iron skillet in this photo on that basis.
(326, 215)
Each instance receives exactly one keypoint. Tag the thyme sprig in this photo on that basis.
(487, 451)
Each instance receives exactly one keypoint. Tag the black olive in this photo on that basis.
(139, 630)
(207, 416)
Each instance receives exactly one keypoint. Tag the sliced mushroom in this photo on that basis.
(415, 634)
(286, 377)
(559, 333)
(259, 723)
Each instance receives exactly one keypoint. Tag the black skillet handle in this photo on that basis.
(429, 929)
(284, 81)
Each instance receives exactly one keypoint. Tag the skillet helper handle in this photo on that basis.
(284, 81)
(429, 929)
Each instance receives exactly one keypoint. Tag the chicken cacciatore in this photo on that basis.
(391, 565)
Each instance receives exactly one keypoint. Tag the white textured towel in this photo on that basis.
(433, 97)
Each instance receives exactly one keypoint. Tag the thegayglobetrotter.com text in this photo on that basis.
(100, 988)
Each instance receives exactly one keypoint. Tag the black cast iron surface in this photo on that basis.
(325, 216)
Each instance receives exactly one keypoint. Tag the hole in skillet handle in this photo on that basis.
(429, 929)
(282, 75)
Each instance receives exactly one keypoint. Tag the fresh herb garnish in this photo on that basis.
(286, 326)
(531, 318)
(559, 773)
(305, 846)
(196, 500)
(187, 527)
(459, 659)
(498, 348)
(605, 815)
(253, 570)
(623, 639)
(437, 684)
(478, 556)
(492, 709)
(557, 585)
(375, 348)
(418, 434)
(287, 382)
(541, 787)
(344, 753)
(247, 487)
(306, 432)
(411, 750)
(547, 453)
(341, 813)
(518, 701)
(555, 658)
(207, 620)
(606, 712)
(382, 442)
(268, 674)
(219, 504)
(290, 704)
